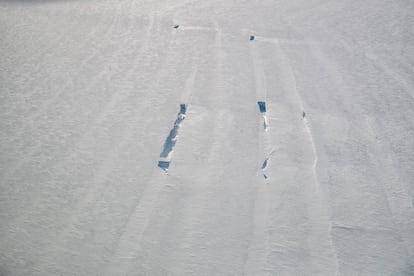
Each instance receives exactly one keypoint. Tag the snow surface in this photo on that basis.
(90, 90)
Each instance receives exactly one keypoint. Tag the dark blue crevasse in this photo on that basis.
(183, 108)
(164, 165)
(169, 142)
(264, 165)
(262, 106)
(172, 136)
(252, 37)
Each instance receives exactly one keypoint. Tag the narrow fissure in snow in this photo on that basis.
(262, 108)
(169, 144)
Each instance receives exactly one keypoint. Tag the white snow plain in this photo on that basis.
(90, 90)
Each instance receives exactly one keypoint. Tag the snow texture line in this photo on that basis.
(322, 213)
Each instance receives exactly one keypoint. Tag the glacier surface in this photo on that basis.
(322, 183)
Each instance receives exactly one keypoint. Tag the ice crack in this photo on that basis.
(171, 140)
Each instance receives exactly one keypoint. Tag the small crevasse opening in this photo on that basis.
(171, 139)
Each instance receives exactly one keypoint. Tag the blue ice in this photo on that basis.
(262, 106)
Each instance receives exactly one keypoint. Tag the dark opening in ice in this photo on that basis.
(183, 108)
(262, 106)
(252, 37)
(170, 141)
(172, 138)
(163, 165)
(264, 165)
